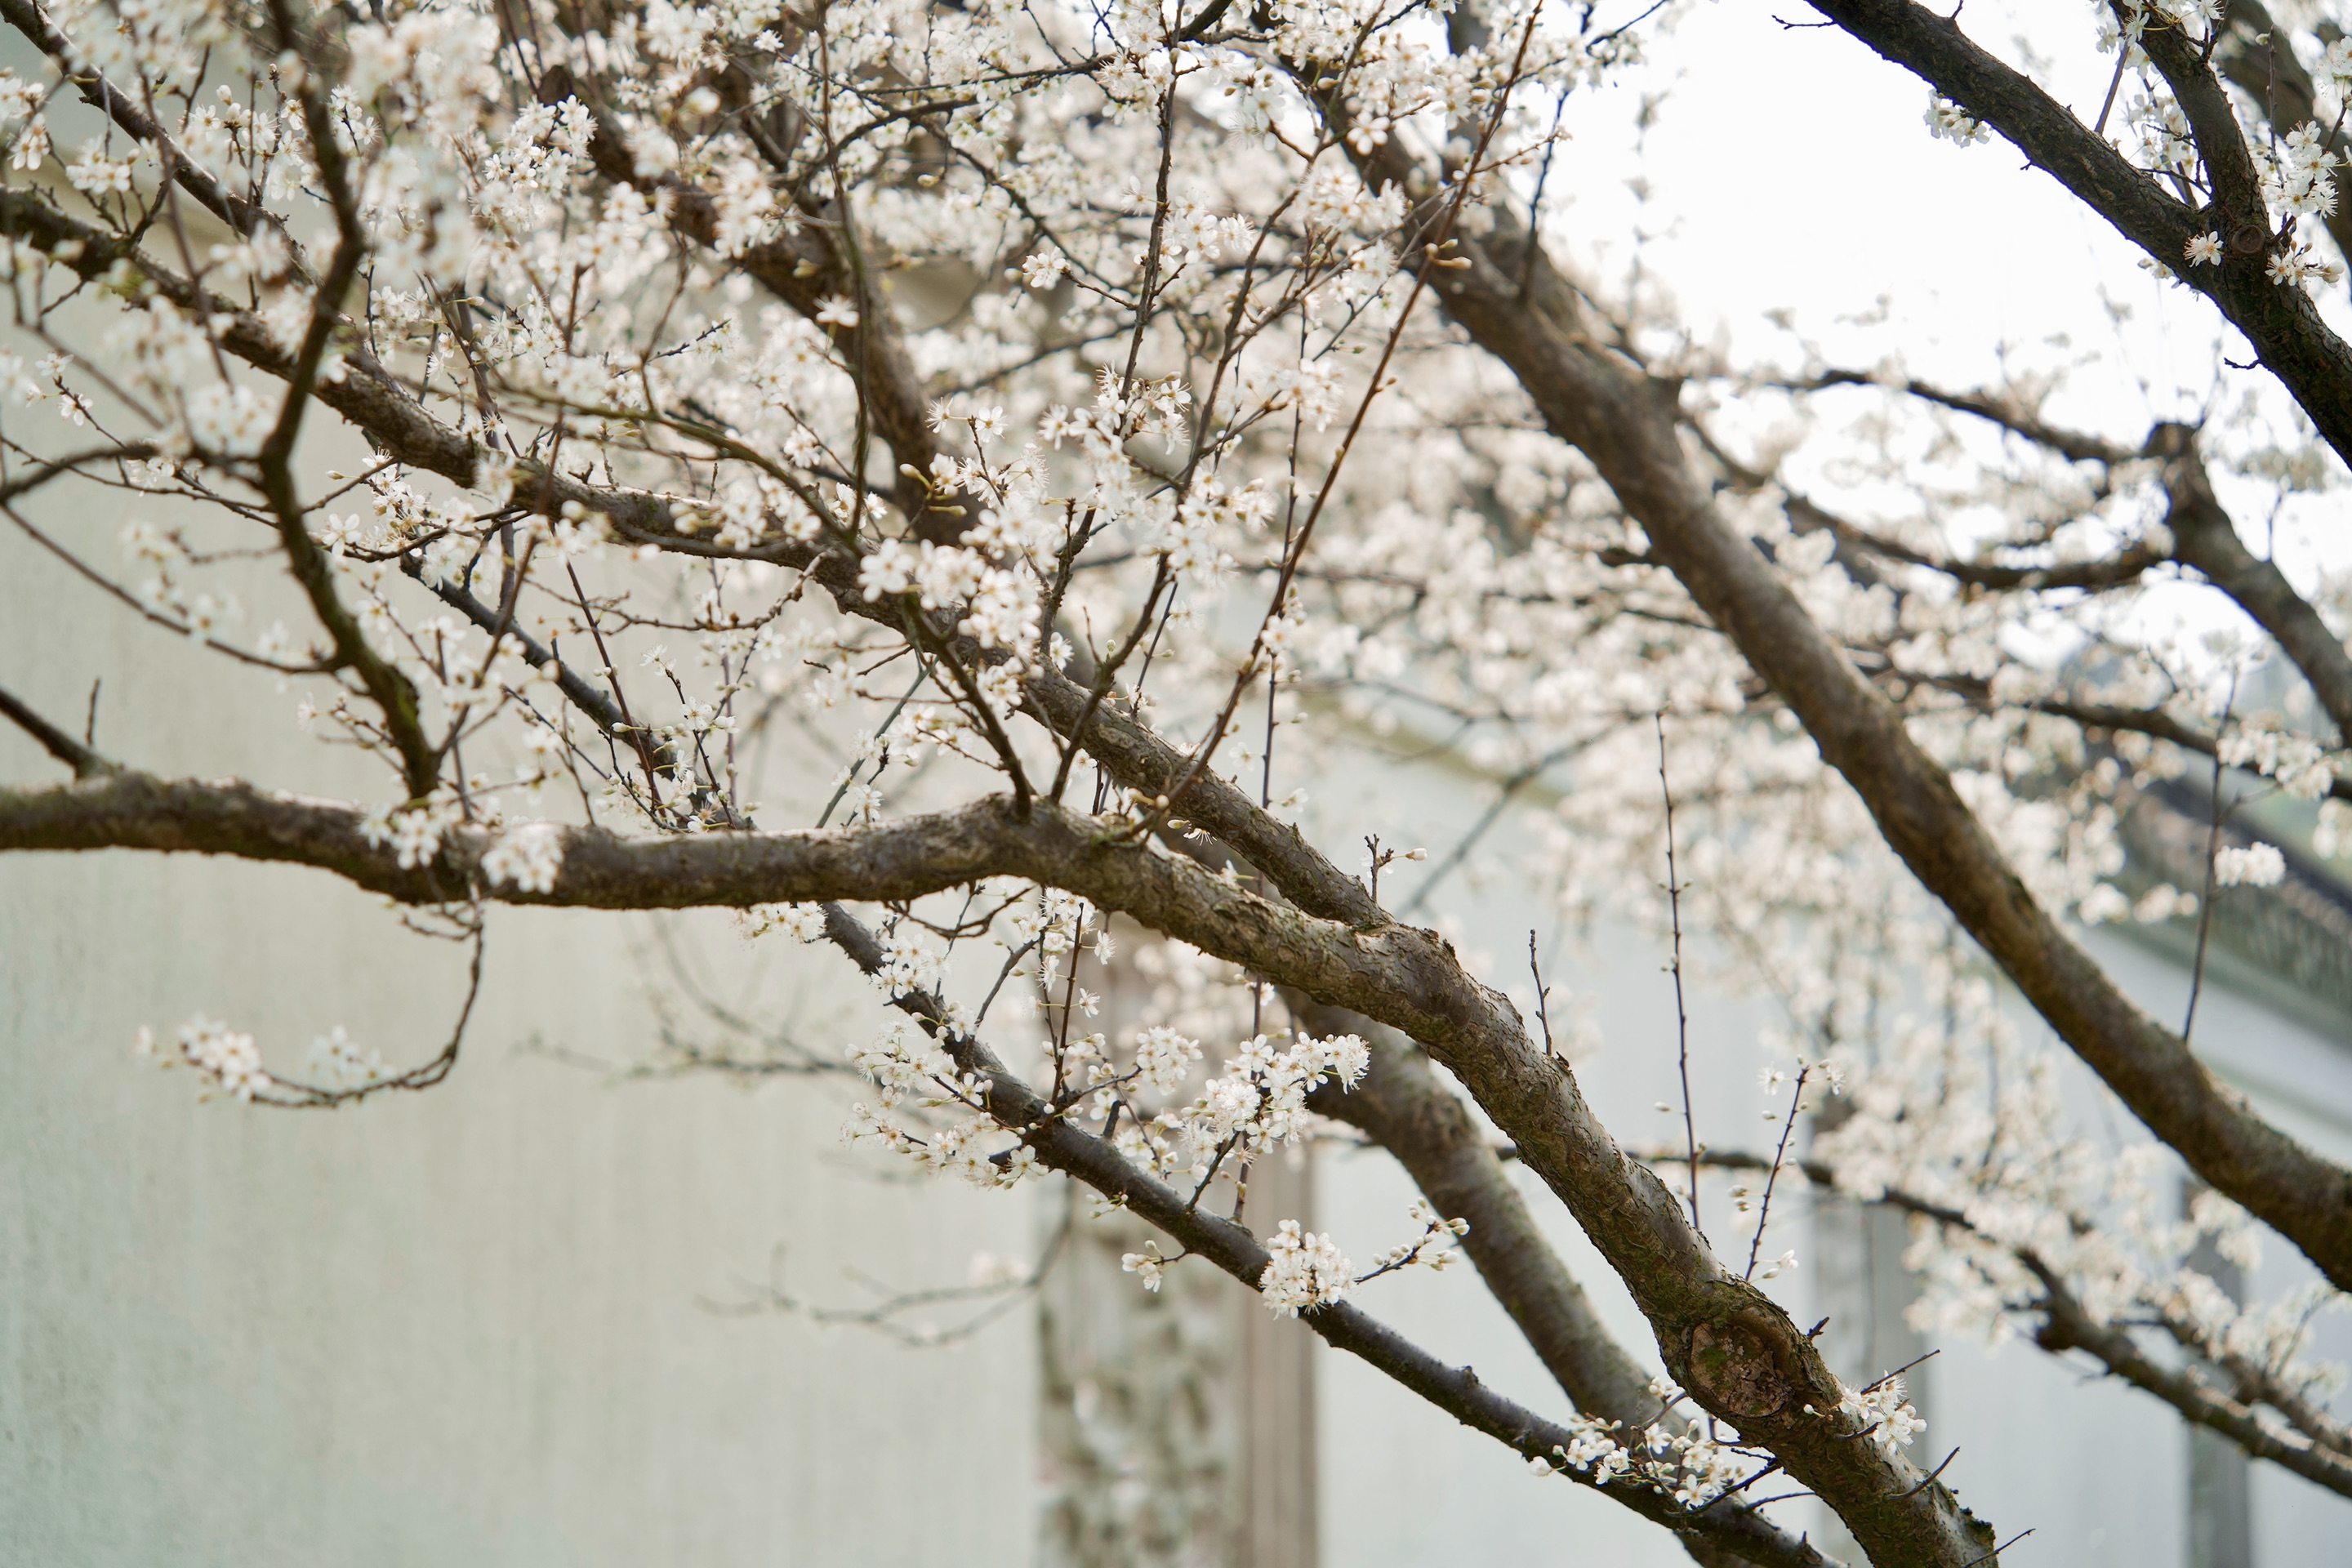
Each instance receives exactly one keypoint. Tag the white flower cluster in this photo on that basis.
(226, 1058)
(700, 374)
(2332, 839)
(801, 922)
(1594, 1450)
(2299, 173)
(1957, 1113)
(2303, 767)
(2295, 265)
(1948, 121)
(527, 858)
(2165, 138)
(338, 1063)
(1884, 1409)
(1260, 1101)
(904, 1061)
(1695, 1466)
(955, 1134)
(1147, 1266)
(1163, 1057)
(1306, 1271)
(1055, 927)
(909, 964)
(1433, 1249)
(413, 833)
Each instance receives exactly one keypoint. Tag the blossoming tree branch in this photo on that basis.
(1061, 406)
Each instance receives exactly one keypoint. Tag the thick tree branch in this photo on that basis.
(899, 860)
(1725, 1531)
(2280, 321)
(1515, 305)
(1400, 1106)
(1728, 1343)
(2205, 538)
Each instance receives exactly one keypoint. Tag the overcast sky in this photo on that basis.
(1792, 168)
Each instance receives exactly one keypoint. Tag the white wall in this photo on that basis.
(459, 1328)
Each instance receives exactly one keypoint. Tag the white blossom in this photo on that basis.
(1306, 1271)
(2255, 866)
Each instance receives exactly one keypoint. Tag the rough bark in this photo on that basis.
(1515, 305)
(2318, 1449)
(1725, 1532)
(1402, 1107)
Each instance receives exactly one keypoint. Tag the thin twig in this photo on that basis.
(1930, 1478)
(1681, 1009)
(1997, 1551)
(2212, 855)
(1764, 1209)
(1543, 996)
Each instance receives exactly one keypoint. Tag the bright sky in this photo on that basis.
(1792, 168)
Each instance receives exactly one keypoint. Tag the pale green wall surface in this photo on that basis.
(455, 1328)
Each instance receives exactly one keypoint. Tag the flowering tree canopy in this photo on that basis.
(1069, 401)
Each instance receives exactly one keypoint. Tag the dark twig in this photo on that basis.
(84, 762)
(1681, 1009)
(1764, 1209)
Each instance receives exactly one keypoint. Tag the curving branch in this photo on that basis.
(2075, 446)
(2205, 538)
(1855, 544)
(901, 861)
(1738, 1352)
(1400, 1106)
(2317, 1449)
(2281, 322)
(1514, 304)
(1725, 1532)
(2124, 567)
